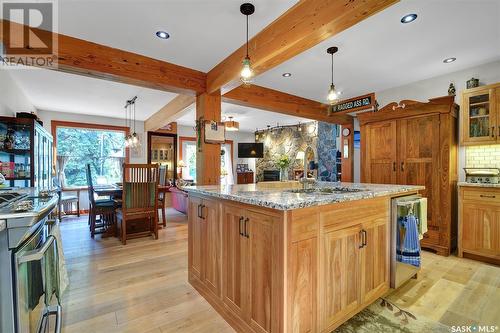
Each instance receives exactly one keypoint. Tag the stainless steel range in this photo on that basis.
(482, 175)
(29, 274)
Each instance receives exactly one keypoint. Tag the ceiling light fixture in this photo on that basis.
(131, 140)
(287, 74)
(448, 60)
(333, 95)
(408, 18)
(231, 125)
(162, 34)
(246, 74)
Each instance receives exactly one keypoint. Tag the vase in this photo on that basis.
(284, 174)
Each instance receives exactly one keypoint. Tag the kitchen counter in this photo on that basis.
(283, 199)
(270, 258)
(478, 185)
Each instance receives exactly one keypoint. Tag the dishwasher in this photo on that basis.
(408, 223)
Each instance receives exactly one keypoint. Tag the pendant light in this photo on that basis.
(231, 125)
(131, 140)
(333, 95)
(246, 74)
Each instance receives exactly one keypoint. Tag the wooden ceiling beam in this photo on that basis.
(169, 113)
(277, 101)
(82, 57)
(303, 26)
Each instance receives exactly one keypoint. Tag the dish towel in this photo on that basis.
(408, 248)
(63, 273)
(422, 218)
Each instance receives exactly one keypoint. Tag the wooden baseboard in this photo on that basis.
(480, 257)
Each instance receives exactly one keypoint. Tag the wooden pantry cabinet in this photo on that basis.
(479, 223)
(481, 115)
(413, 143)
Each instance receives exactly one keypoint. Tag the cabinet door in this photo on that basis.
(479, 117)
(418, 163)
(481, 228)
(341, 276)
(196, 232)
(375, 260)
(379, 160)
(263, 236)
(235, 260)
(212, 252)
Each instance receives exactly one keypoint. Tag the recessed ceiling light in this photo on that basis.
(408, 18)
(448, 60)
(162, 34)
(287, 74)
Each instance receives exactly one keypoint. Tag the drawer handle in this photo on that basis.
(493, 131)
(488, 196)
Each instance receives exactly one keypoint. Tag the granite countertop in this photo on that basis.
(42, 205)
(284, 199)
(478, 185)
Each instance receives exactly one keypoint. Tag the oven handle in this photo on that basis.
(37, 254)
(51, 311)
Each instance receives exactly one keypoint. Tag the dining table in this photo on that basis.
(115, 191)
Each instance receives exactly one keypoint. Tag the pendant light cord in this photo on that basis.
(134, 116)
(332, 68)
(247, 35)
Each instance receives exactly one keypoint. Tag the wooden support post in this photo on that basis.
(208, 107)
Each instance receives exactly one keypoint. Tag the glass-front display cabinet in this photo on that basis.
(480, 115)
(25, 153)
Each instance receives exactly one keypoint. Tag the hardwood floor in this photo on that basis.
(142, 287)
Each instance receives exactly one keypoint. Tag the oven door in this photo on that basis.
(37, 283)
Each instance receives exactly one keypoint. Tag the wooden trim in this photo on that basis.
(276, 101)
(78, 56)
(303, 26)
(410, 108)
(60, 123)
(170, 135)
(169, 113)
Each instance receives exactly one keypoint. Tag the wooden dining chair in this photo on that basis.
(102, 214)
(163, 170)
(139, 212)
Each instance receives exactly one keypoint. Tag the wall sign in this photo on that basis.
(359, 103)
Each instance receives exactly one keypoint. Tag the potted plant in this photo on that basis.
(283, 163)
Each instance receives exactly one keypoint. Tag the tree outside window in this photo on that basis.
(103, 149)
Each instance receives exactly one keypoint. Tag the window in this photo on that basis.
(103, 147)
(188, 156)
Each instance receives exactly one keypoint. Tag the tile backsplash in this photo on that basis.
(487, 156)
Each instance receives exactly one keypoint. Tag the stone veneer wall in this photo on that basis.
(289, 141)
(321, 137)
(327, 151)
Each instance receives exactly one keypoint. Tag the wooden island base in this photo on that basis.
(301, 270)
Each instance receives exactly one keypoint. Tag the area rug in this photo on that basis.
(385, 317)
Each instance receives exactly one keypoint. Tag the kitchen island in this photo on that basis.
(272, 259)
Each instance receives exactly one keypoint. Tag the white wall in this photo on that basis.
(48, 116)
(235, 136)
(12, 98)
(435, 87)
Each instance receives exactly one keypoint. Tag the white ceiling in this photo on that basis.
(249, 118)
(381, 53)
(57, 91)
(202, 33)
(377, 54)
